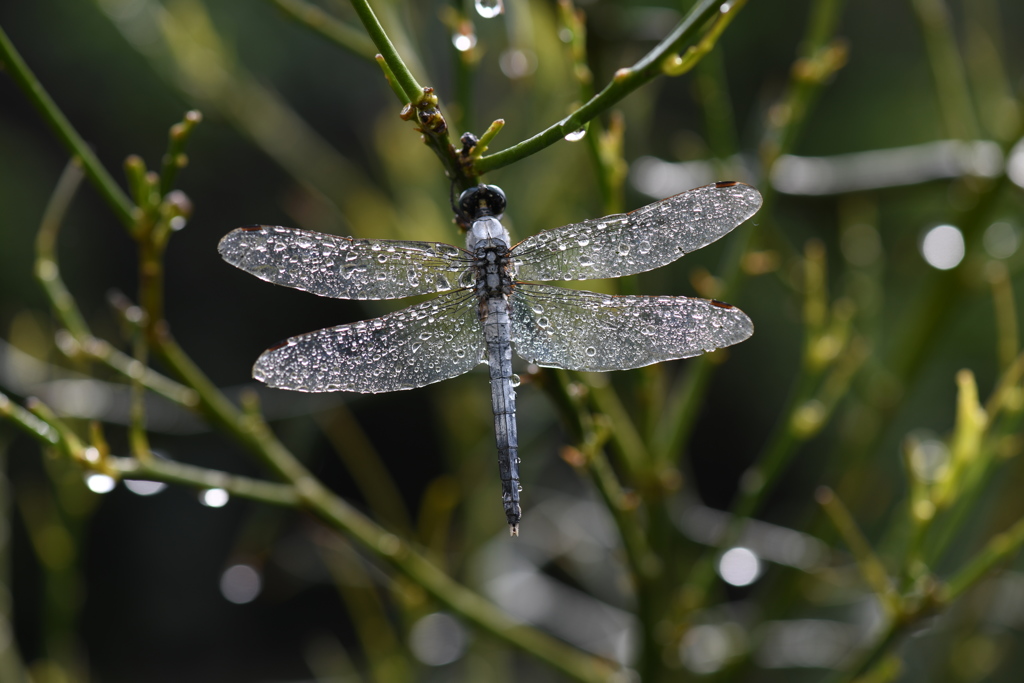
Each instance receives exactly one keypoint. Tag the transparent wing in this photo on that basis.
(574, 330)
(410, 348)
(648, 238)
(345, 267)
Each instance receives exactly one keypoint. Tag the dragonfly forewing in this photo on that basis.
(576, 330)
(410, 348)
(648, 238)
(346, 267)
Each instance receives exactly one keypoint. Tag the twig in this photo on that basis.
(947, 68)
(33, 89)
(338, 32)
(870, 565)
(46, 270)
(77, 339)
(27, 422)
(157, 469)
(999, 549)
(626, 80)
(810, 72)
(175, 159)
(405, 79)
(257, 437)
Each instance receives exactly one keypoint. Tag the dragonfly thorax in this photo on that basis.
(493, 275)
(487, 232)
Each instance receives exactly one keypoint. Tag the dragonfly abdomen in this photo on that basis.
(497, 336)
(493, 286)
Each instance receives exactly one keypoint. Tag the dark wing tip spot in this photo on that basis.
(726, 183)
(721, 304)
(251, 228)
(281, 345)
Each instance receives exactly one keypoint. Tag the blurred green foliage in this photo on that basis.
(863, 446)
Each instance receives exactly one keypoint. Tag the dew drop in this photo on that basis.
(488, 9)
(590, 351)
(576, 135)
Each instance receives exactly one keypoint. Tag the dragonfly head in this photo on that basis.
(481, 208)
(482, 200)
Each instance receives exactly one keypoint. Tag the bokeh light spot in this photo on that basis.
(464, 41)
(1001, 240)
(437, 639)
(214, 498)
(141, 487)
(100, 483)
(943, 247)
(240, 584)
(739, 566)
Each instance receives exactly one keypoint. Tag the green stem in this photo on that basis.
(175, 159)
(405, 79)
(591, 435)
(870, 565)
(254, 434)
(999, 549)
(46, 270)
(172, 472)
(818, 65)
(338, 32)
(33, 89)
(633, 455)
(954, 95)
(27, 422)
(872, 656)
(625, 81)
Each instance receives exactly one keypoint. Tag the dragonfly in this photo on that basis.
(491, 299)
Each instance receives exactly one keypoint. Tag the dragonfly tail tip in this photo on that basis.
(513, 530)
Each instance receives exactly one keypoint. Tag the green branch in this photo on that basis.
(77, 340)
(172, 472)
(27, 422)
(820, 57)
(405, 79)
(338, 32)
(999, 549)
(625, 81)
(254, 434)
(33, 89)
